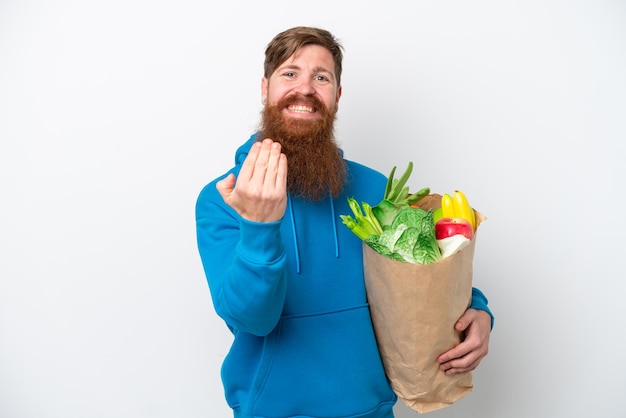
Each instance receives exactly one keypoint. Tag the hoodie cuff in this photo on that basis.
(260, 241)
(479, 302)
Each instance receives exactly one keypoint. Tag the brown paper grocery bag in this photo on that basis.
(414, 308)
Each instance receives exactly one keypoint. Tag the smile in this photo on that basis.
(301, 109)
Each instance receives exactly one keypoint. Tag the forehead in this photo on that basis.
(311, 56)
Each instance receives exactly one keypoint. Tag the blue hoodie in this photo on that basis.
(293, 295)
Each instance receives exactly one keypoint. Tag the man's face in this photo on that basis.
(309, 73)
(299, 113)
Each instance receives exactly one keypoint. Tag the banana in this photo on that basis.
(447, 207)
(462, 208)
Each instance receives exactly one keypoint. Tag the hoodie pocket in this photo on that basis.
(324, 365)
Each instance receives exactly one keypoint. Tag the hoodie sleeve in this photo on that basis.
(479, 302)
(244, 264)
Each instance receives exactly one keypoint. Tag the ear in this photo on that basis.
(339, 90)
(264, 89)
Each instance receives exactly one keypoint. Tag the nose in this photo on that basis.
(305, 87)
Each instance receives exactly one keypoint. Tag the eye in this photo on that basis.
(289, 75)
(322, 79)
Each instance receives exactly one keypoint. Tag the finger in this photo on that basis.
(273, 163)
(262, 162)
(247, 168)
(225, 186)
(464, 321)
(278, 167)
(281, 175)
(474, 354)
(458, 362)
(452, 354)
(462, 369)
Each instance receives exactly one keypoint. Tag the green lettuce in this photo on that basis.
(410, 238)
(393, 228)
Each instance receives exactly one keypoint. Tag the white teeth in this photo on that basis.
(301, 109)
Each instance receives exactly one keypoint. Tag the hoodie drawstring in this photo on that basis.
(295, 234)
(334, 222)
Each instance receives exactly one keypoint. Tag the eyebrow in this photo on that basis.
(315, 70)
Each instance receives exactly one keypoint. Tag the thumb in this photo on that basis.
(225, 185)
(462, 323)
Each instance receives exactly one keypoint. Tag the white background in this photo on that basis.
(114, 114)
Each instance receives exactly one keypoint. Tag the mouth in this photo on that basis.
(301, 109)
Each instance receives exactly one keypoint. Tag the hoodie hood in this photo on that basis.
(244, 149)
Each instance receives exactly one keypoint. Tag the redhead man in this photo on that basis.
(284, 275)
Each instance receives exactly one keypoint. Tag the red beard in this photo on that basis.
(315, 166)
